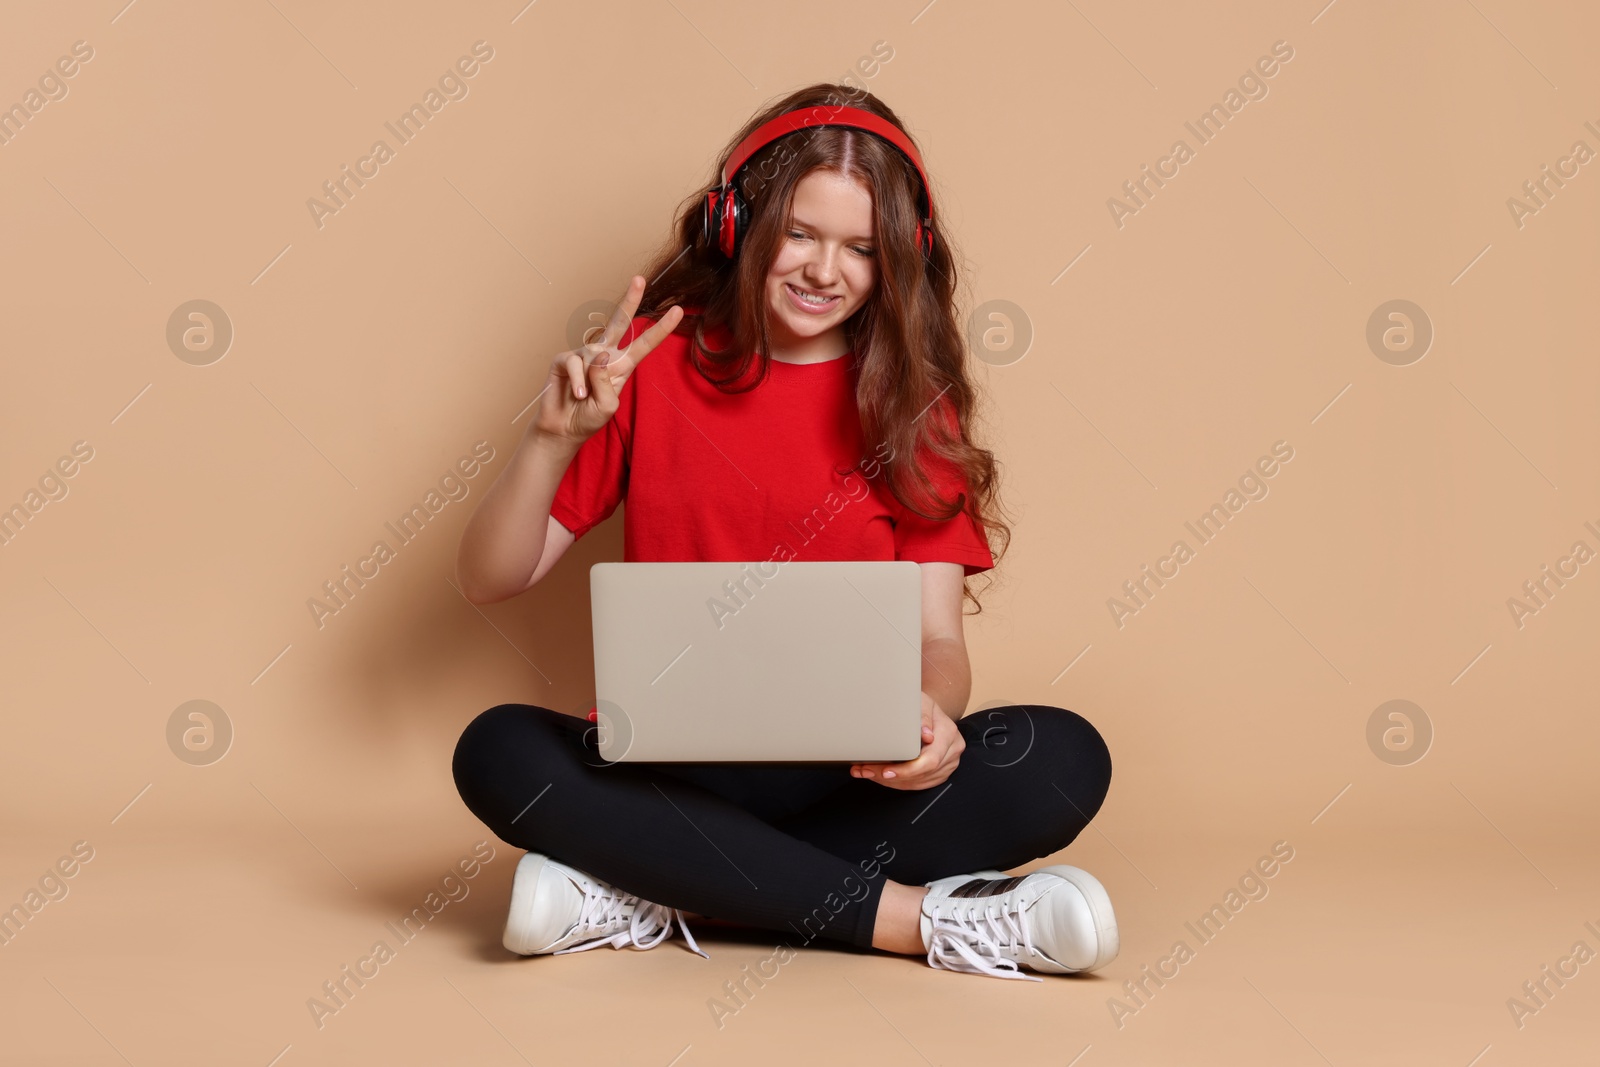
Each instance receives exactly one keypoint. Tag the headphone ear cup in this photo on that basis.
(924, 239)
(712, 217)
(731, 225)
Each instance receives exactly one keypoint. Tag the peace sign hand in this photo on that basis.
(580, 395)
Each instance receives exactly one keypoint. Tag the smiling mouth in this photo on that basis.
(806, 300)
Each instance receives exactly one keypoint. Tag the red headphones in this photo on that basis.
(728, 216)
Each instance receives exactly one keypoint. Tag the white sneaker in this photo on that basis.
(556, 908)
(1056, 919)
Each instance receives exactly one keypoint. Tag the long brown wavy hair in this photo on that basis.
(910, 348)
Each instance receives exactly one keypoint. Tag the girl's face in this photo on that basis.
(827, 252)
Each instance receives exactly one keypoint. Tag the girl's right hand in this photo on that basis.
(580, 395)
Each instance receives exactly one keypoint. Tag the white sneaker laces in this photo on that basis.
(602, 917)
(976, 937)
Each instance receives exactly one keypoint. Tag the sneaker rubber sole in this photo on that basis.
(1108, 941)
(524, 893)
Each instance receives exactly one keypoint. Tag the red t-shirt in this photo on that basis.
(768, 474)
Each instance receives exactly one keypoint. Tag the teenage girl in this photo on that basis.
(806, 396)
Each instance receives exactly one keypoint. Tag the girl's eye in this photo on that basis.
(857, 249)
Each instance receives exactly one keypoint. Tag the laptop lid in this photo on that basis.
(797, 661)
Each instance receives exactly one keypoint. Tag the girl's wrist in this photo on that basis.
(549, 444)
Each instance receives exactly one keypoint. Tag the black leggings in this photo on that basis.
(801, 848)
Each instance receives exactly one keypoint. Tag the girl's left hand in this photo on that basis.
(942, 745)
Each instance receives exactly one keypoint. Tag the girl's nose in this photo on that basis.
(822, 269)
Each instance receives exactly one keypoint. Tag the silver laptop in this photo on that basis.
(770, 661)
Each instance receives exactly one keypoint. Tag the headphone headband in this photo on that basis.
(819, 117)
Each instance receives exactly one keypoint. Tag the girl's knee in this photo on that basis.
(1006, 736)
(1081, 753)
(1077, 763)
(1079, 741)
(505, 731)
(1057, 749)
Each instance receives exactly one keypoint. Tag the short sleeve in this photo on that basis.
(596, 480)
(959, 539)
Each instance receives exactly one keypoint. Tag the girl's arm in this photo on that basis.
(511, 541)
(946, 670)
(946, 684)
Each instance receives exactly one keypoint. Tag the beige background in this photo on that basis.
(370, 354)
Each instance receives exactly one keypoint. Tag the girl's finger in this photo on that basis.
(622, 314)
(645, 342)
(601, 387)
(575, 375)
(912, 767)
